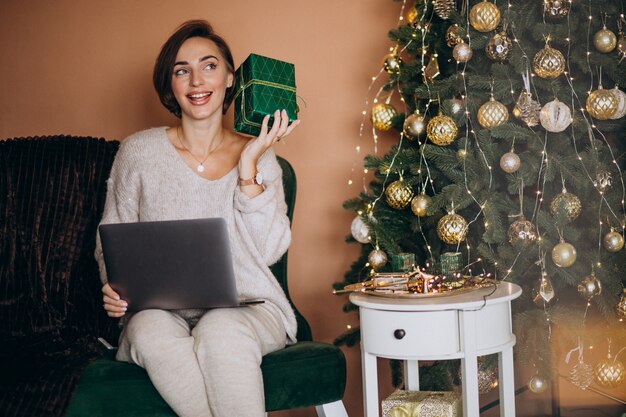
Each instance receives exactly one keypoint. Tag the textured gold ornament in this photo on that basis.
(484, 16)
(556, 9)
(510, 162)
(590, 286)
(462, 52)
(620, 308)
(621, 103)
(452, 35)
(621, 46)
(359, 230)
(492, 114)
(441, 130)
(555, 116)
(610, 372)
(538, 384)
(392, 63)
(398, 194)
(605, 40)
(526, 109)
(412, 15)
(414, 125)
(548, 63)
(569, 202)
(602, 104)
(499, 47)
(543, 294)
(377, 258)
(432, 69)
(603, 180)
(443, 8)
(613, 241)
(522, 231)
(382, 115)
(563, 254)
(452, 228)
(419, 204)
(581, 374)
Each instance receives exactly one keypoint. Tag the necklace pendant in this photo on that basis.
(200, 168)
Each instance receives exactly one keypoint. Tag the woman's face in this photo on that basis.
(199, 78)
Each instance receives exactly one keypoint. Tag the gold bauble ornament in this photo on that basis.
(621, 46)
(522, 231)
(621, 103)
(610, 372)
(567, 202)
(555, 116)
(563, 254)
(382, 116)
(510, 162)
(590, 286)
(613, 241)
(484, 16)
(452, 228)
(392, 63)
(526, 109)
(492, 114)
(602, 104)
(605, 40)
(620, 308)
(398, 194)
(414, 125)
(581, 374)
(538, 384)
(556, 9)
(549, 63)
(452, 35)
(499, 47)
(359, 230)
(462, 52)
(419, 204)
(444, 7)
(441, 130)
(377, 258)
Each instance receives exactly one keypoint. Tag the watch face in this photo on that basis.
(258, 178)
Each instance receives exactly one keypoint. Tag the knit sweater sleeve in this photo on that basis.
(265, 216)
(122, 200)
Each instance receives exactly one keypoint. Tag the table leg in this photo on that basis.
(507, 383)
(469, 364)
(370, 384)
(412, 375)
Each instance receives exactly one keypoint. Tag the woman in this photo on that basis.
(205, 362)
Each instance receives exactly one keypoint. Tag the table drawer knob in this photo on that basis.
(399, 333)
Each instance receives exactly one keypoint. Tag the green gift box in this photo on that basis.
(263, 85)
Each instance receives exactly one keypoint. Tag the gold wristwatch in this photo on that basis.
(256, 180)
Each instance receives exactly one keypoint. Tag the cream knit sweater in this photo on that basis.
(150, 181)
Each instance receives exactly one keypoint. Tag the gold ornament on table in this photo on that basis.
(548, 63)
(414, 125)
(556, 9)
(420, 204)
(613, 241)
(359, 230)
(605, 40)
(538, 384)
(452, 228)
(620, 308)
(563, 254)
(452, 35)
(499, 47)
(526, 109)
(462, 52)
(610, 372)
(555, 116)
(568, 202)
(382, 116)
(398, 194)
(444, 7)
(492, 114)
(392, 63)
(543, 294)
(377, 258)
(602, 104)
(510, 162)
(441, 130)
(484, 16)
(581, 374)
(603, 180)
(621, 103)
(522, 231)
(590, 286)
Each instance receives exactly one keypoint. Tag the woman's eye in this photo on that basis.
(210, 66)
(180, 71)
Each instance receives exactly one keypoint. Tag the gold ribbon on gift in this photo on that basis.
(405, 410)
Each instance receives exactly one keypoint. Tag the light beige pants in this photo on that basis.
(211, 369)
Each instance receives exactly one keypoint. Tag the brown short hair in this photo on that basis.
(164, 65)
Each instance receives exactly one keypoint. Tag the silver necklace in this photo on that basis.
(200, 167)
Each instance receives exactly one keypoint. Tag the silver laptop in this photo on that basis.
(171, 264)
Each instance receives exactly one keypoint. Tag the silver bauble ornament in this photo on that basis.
(538, 384)
(613, 241)
(377, 258)
(462, 52)
(590, 286)
(522, 231)
(621, 103)
(359, 230)
(563, 254)
(414, 125)
(555, 116)
(510, 162)
(420, 204)
(605, 40)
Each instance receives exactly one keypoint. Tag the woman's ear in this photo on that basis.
(230, 79)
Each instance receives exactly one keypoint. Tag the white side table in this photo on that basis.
(461, 326)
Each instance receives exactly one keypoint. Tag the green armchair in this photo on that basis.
(301, 375)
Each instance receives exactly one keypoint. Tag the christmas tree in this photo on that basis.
(508, 165)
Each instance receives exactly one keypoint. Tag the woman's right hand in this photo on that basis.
(113, 304)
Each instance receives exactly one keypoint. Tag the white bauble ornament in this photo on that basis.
(621, 103)
(462, 52)
(538, 384)
(360, 231)
(510, 162)
(555, 116)
(377, 258)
